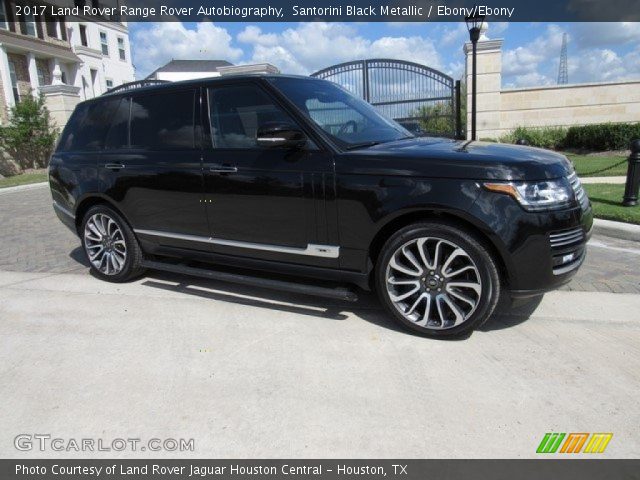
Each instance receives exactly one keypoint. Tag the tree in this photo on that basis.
(439, 118)
(30, 135)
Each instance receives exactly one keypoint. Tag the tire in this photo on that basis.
(454, 268)
(115, 257)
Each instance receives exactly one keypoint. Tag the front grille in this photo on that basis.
(566, 237)
(578, 190)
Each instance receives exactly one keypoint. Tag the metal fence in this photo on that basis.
(422, 99)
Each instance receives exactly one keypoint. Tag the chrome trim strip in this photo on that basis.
(59, 207)
(314, 250)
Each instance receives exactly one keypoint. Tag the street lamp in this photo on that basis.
(474, 25)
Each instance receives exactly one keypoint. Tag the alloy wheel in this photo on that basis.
(105, 244)
(433, 283)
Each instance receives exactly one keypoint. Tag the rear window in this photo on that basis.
(163, 120)
(88, 126)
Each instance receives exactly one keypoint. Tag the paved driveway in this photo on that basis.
(247, 372)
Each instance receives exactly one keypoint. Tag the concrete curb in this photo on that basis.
(608, 180)
(609, 228)
(18, 188)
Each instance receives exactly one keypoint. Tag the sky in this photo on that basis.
(531, 51)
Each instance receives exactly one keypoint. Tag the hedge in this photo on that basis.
(602, 136)
(596, 137)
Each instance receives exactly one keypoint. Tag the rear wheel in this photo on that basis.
(437, 279)
(110, 245)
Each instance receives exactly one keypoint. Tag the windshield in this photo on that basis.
(352, 122)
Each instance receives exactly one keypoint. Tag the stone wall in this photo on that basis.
(501, 110)
(22, 73)
(566, 105)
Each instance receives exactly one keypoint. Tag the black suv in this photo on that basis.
(297, 177)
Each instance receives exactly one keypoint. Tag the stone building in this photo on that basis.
(65, 59)
(177, 70)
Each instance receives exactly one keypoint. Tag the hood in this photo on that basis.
(445, 158)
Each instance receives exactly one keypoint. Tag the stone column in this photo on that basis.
(33, 73)
(9, 101)
(489, 79)
(61, 100)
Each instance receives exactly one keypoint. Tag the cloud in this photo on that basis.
(529, 64)
(157, 44)
(606, 34)
(592, 55)
(308, 47)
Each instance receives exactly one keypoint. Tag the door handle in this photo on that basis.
(223, 169)
(114, 166)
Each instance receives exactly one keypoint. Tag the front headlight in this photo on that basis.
(535, 196)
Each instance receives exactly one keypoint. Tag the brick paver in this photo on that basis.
(32, 239)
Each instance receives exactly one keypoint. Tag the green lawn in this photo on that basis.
(607, 203)
(589, 163)
(23, 179)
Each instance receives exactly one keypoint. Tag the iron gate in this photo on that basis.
(420, 98)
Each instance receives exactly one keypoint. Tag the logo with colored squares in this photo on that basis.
(573, 443)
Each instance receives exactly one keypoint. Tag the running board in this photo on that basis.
(293, 287)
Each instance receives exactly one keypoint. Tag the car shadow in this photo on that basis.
(367, 307)
(511, 312)
(508, 313)
(78, 255)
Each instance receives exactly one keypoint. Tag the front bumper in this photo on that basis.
(541, 251)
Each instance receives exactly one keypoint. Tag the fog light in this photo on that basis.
(568, 258)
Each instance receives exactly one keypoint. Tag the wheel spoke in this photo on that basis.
(395, 265)
(394, 281)
(424, 253)
(398, 298)
(436, 255)
(462, 297)
(114, 262)
(94, 228)
(425, 316)
(455, 309)
(455, 273)
(93, 256)
(443, 318)
(414, 261)
(416, 303)
(452, 256)
(111, 225)
(472, 285)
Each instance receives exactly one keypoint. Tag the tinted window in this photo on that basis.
(88, 126)
(117, 136)
(350, 120)
(237, 112)
(163, 120)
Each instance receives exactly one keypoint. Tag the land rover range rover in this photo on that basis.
(297, 177)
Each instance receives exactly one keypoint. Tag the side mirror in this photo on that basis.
(278, 134)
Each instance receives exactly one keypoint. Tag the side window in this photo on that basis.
(163, 120)
(237, 112)
(118, 135)
(88, 126)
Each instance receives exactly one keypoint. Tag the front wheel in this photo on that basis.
(111, 247)
(437, 279)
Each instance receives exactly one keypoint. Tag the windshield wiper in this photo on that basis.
(362, 145)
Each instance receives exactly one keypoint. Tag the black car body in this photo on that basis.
(241, 171)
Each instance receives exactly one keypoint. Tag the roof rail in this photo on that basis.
(135, 85)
